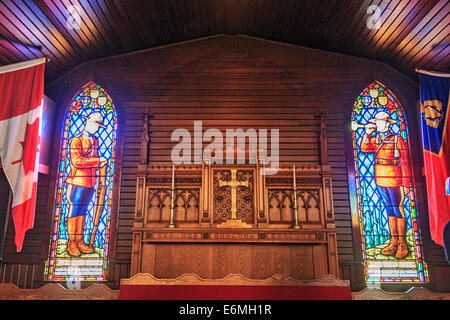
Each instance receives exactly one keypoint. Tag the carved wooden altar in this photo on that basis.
(215, 220)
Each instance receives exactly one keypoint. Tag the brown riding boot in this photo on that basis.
(402, 250)
(79, 239)
(72, 248)
(392, 247)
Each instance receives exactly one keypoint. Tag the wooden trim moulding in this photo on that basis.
(234, 279)
(55, 291)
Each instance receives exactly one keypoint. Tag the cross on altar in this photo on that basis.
(233, 184)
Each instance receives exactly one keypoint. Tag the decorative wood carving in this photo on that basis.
(265, 200)
(232, 219)
(235, 279)
(415, 293)
(55, 291)
(136, 251)
(261, 195)
(145, 137)
(323, 140)
(236, 235)
(186, 205)
(327, 181)
(233, 195)
(203, 203)
(140, 190)
(281, 206)
(328, 199)
(206, 174)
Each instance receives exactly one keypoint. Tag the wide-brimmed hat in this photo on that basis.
(95, 117)
(382, 116)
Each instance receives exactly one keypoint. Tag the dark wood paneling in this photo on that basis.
(236, 81)
(254, 261)
(412, 33)
(229, 83)
(36, 237)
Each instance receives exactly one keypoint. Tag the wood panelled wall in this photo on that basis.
(34, 238)
(238, 82)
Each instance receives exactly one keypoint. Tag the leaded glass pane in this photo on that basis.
(385, 189)
(79, 241)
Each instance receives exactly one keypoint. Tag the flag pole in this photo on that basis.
(432, 73)
(5, 227)
(23, 64)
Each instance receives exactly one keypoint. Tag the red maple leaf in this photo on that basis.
(30, 146)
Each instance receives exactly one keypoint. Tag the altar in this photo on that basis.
(213, 220)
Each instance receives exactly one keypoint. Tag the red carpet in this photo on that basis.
(208, 292)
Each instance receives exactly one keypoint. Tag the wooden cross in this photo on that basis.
(233, 184)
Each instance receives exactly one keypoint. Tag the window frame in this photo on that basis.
(416, 160)
(58, 131)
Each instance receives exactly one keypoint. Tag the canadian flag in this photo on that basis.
(21, 96)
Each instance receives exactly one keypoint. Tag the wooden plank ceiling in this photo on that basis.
(412, 33)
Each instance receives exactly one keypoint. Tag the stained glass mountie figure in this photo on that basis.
(388, 217)
(82, 211)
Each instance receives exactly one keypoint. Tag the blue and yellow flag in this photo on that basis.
(434, 105)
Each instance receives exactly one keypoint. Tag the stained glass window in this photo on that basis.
(82, 211)
(388, 216)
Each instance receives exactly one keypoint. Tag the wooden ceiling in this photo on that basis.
(412, 33)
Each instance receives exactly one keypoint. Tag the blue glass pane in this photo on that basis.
(92, 100)
(377, 202)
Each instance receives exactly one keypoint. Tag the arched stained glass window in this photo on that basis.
(81, 219)
(385, 189)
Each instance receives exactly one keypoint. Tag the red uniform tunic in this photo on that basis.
(390, 171)
(84, 161)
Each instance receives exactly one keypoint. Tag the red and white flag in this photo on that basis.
(21, 96)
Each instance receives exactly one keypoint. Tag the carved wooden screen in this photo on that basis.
(223, 195)
(281, 206)
(186, 205)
